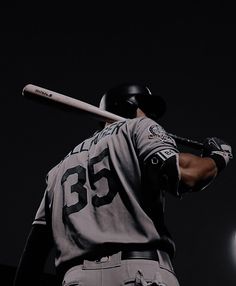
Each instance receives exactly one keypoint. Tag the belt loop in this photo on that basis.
(104, 262)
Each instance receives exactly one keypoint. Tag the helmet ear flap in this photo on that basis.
(127, 109)
(125, 106)
(153, 106)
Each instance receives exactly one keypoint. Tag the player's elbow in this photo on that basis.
(190, 178)
(197, 171)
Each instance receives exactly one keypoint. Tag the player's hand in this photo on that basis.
(218, 150)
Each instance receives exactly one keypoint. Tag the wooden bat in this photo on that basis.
(44, 95)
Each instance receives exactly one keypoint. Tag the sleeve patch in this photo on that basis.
(158, 132)
(167, 153)
(155, 130)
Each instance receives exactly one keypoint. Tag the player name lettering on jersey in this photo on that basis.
(86, 145)
(109, 130)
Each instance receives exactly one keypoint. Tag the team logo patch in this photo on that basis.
(155, 130)
(158, 132)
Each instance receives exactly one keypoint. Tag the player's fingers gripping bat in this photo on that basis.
(61, 100)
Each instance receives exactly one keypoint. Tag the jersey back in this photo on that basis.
(93, 198)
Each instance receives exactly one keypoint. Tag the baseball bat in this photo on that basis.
(45, 95)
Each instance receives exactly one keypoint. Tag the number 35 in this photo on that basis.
(79, 188)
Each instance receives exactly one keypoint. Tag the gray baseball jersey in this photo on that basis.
(93, 196)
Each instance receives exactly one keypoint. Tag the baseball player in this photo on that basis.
(103, 207)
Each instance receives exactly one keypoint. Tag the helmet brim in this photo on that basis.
(153, 105)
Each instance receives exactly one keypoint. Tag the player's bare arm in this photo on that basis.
(195, 170)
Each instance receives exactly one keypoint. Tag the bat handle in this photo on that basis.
(187, 142)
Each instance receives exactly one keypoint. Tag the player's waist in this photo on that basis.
(149, 254)
(92, 262)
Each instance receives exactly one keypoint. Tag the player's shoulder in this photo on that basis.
(149, 130)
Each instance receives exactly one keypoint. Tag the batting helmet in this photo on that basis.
(124, 100)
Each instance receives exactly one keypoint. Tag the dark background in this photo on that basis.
(187, 53)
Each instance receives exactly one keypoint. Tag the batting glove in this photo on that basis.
(218, 150)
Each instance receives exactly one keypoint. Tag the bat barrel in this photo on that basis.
(68, 103)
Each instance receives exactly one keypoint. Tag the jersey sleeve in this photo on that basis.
(40, 217)
(159, 155)
(151, 138)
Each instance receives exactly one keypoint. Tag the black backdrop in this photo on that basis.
(189, 57)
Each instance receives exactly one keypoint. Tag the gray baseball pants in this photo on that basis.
(113, 271)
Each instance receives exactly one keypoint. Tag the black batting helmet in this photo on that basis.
(124, 100)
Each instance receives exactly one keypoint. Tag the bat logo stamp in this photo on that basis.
(44, 93)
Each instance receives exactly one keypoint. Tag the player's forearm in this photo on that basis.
(195, 170)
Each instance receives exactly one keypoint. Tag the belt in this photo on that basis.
(155, 255)
(141, 254)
